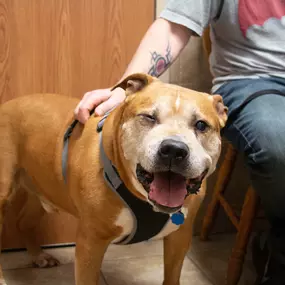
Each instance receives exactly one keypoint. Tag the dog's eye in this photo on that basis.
(201, 126)
(149, 117)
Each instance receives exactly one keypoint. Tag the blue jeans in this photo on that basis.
(259, 132)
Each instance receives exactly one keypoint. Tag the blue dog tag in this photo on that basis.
(177, 218)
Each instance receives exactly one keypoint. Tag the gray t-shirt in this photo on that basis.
(248, 36)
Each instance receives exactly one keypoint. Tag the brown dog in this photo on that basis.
(163, 140)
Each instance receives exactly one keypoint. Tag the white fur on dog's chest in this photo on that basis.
(126, 221)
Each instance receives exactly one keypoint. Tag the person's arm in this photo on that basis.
(160, 46)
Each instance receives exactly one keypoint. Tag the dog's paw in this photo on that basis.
(44, 260)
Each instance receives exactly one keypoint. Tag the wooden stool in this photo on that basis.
(242, 224)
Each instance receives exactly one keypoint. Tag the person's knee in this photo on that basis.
(259, 132)
(268, 149)
(267, 167)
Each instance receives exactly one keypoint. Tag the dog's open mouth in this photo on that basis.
(168, 190)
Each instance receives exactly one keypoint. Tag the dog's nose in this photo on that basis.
(173, 150)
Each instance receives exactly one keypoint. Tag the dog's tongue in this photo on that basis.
(168, 189)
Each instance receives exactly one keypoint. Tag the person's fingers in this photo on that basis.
(83, 115)
(88, 102)
(117, 97)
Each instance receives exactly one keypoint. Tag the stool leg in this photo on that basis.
(223, 179)
(245, 226)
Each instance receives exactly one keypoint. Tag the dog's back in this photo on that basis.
(39, 111)
(32, 129)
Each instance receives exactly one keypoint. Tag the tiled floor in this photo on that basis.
(131, 265)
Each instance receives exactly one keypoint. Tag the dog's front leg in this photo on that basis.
(177, 244)
(90, 250)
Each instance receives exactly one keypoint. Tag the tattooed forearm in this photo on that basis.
(159, 63)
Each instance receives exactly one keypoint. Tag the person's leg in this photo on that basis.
(259, 132)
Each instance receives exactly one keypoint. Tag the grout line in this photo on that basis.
(132, 257)
(202, 271)
(104, 278)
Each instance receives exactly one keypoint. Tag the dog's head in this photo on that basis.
(170, 137)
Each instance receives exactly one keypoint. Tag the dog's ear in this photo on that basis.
(134, 83)
(221, 109)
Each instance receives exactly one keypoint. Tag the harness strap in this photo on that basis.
(114, 182)
(110, 173)
(68, 133)
(64, 155)
(147, 223)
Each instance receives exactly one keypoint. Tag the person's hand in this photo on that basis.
(102, 99)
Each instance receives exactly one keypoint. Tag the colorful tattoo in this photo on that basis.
(159, 62)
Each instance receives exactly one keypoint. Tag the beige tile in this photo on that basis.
(147, 271)
(61, 275)
(217, 243)
(212, 259)
(139, 264)
(16, 260)
(152, 248)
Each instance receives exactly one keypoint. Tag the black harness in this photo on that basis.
(147, 223)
